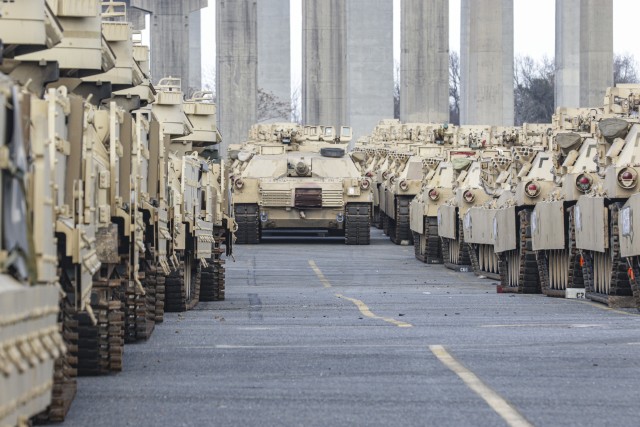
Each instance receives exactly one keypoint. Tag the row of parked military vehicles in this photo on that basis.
(543, 208)
(115, 206)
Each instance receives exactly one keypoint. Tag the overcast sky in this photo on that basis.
(534, 22)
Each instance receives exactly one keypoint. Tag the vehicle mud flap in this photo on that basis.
(484, 261)
(455, 253)
(357, 224)
(560, 269)
(606, 277)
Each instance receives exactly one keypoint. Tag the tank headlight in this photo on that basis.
(239, 183)
(404, 185)
(627, 178)
(532, 189)
(365, 184)
(434, 194)
(385, 175)
(468, 196)
(584, 182)
(392, 180)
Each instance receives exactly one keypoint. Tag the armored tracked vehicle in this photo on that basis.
(292, 178)
(608, 277)
(438, 186)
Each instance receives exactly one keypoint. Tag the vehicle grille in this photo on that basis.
(332, 198)
(308, 198)
(276, 198)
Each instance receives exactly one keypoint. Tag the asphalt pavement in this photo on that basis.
(316, 333)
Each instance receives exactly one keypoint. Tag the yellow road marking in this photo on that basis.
(604, 307)
(316, 270)
(493, 399)
(367, 312)
(361, 305)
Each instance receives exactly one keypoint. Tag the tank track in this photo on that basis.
(463, 261)
(65, 384)
(357, 224)
(401, 231)
(212, 286)
(377, 219)
(101, 346)
(386, 222)
(247, 216)
(146, 304)
(428, 247)
(620, 293)
(575, 279)
(527, 276)
(160, 280)
(176, 293)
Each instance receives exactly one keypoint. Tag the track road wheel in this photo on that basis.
(182, 286)
(357, 224)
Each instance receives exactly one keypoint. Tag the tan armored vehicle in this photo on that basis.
(605, 272)
(531, 180)
(294, 178)
(470, 188)
(438, 186)
(574, 147)
(404, 176)
(30, 337)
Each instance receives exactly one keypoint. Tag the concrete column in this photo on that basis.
(274, 55)
(488, 77)
(324, 62)
(369, 64)
(584, 52)
(596, 51)
(170, 38)
(465, 25)
(424, 91)
(237, 68)
(135, 16)
(195, 53)
(567, 91)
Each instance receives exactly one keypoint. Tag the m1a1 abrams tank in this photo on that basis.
(477, 218)
(438, 186)
(470, 182)
(403, 178)
(531, 181)
(574, 146)
(605, 272)
(294, 178)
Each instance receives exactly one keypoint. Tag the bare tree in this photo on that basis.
(271, 107)
(396, 90)
(625, 69)
(534, 87)
(209, 80)
(454, 88)
(296, 105)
